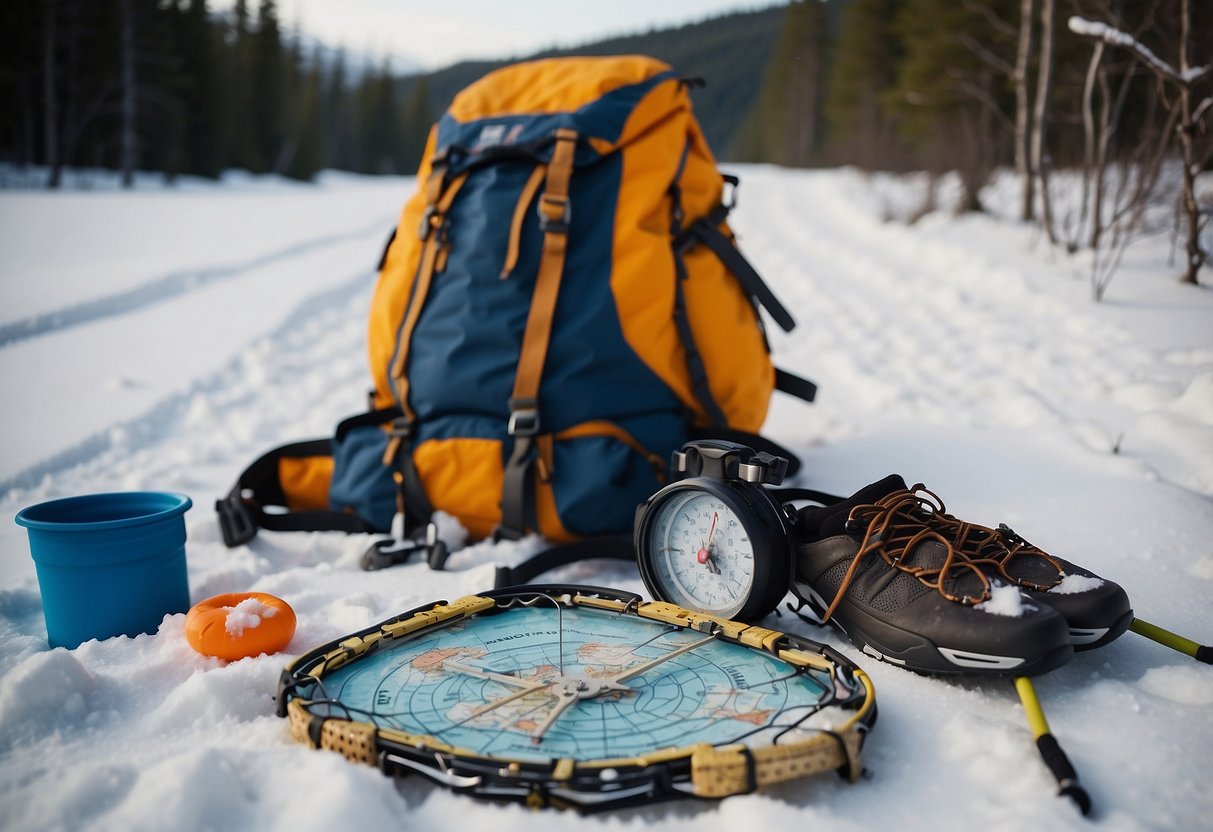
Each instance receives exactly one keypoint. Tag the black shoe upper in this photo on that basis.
(897, 599)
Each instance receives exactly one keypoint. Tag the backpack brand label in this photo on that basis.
(496, 134)
(490, 134)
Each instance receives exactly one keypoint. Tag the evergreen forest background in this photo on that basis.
(171, 86)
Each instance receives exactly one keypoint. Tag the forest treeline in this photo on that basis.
(937, 85)
(171, 86)
(1119, 91)
(933, 84)
(168, 85)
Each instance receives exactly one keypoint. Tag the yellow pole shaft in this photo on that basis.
(1165, 637)
(1031, 706)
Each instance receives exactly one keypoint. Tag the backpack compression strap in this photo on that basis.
(554, 215)
(706, 230)
(412, 502)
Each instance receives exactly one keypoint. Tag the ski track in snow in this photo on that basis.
(167, 287)
(935, 359)
(154, 291)
(308, 327)
(887, 314)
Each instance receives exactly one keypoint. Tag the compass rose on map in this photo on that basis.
(573, 683)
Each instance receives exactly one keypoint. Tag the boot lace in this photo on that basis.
(1000, 547)
(897, 523)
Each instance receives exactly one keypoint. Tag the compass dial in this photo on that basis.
(538, 683)
(701, 553)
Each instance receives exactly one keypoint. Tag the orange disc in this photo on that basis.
(240, 624)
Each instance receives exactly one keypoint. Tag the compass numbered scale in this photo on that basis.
(580, 697)
(716, 540)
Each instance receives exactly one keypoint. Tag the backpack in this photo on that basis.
(560, 307)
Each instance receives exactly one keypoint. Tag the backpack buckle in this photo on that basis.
(236, 522)
(400, 428)
(423, 228)
(524, 417)
(433, 220)
(555, 213)
(728, 192)
(394, 550)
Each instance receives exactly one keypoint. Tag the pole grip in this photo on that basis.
(1050, 750)
(1063, 771)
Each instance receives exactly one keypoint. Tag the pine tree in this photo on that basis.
(416, 120)
(242, 147)
(200, 95)
(308, 132)
(269, 90)
(786, 124)
(380, 123)
(336, 115)
(167, 147)
(861, 130)
(951, 103)
(21, 61)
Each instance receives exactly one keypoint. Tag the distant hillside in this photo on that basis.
(730, 53)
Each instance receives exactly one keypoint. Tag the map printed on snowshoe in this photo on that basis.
(581, 697)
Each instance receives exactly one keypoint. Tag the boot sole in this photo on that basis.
(1089, 639)
(913, 651)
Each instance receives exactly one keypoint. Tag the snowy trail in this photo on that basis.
(75, 249)
(910, 327)
(101, 360)
(948, 362)
(902, 319)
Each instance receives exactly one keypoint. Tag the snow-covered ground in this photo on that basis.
(161, 339)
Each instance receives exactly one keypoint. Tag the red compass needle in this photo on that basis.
(703, 556)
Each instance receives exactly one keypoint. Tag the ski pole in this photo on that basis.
(1050, 750)
(1200, 652)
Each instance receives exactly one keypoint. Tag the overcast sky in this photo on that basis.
(436, 33)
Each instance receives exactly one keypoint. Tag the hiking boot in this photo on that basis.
(873, 567)
(1097, 610)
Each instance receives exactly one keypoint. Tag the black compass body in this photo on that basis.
(717, 540)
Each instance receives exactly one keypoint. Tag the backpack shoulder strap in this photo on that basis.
(705, 230)
(523, 427)
(259, 498)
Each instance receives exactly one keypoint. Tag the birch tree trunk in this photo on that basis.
(1090, 170)
(1023, 110)
(1040, 115)
(1196, 257)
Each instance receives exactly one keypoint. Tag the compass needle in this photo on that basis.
(512, 681)
(568, 698)
(494, 705)
(649, 665)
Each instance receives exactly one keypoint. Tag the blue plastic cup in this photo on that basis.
(108, 564)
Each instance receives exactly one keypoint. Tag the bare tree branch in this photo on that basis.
(1000, 64)
(1094, 30)
(983, 96)
(999, 25)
